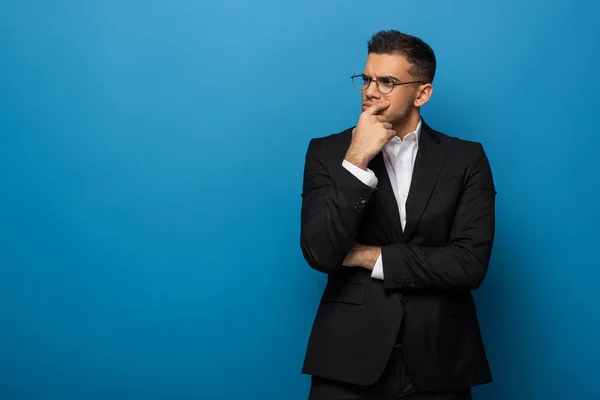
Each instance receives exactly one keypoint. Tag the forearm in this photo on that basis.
(329, 228)
(327, 238)
(452, 267)
(332, 208)
(363, 256)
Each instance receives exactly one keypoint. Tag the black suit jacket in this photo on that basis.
(430, 268)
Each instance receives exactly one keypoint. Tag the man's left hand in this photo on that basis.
(362, 256)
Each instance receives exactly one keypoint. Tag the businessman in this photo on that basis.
(400, 217)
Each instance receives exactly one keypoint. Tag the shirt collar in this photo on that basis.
(417, 133)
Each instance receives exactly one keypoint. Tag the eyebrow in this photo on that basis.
(390, 77)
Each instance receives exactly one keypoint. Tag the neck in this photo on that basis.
(408, 124)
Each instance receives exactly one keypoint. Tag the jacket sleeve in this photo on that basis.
(463, 262)
(333, 201)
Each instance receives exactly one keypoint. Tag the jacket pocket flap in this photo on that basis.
(350, 294)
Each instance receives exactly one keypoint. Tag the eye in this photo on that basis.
(386, 81)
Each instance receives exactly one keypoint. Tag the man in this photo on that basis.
(401, 219)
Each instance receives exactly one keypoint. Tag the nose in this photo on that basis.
(372, 92)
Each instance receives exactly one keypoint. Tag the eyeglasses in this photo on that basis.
(385, 84)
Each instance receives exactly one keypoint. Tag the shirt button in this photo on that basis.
(400, 162)
(404, 195)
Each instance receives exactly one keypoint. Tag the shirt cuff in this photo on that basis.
(367, 177)
(378, 269)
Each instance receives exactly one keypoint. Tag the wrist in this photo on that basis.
(357, 159)
(371, 255)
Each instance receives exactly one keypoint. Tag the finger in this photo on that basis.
(392, 133)
(387, 125)
(381, 118)
(376, 107)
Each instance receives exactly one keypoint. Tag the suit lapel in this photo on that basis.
(385, 195)
(430, 158)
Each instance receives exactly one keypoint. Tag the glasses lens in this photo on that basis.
(360, 82)
(385, 85)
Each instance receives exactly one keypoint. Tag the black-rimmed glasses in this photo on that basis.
(385, 84)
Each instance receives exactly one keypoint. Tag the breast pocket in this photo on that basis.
(448, 183)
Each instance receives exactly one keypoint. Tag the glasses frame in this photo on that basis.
(394, 84)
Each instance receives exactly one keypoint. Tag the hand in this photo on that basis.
(370, 135)
(362, 256)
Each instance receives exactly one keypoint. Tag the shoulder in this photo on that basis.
(466, 156)
(457, 146)
(332, 143)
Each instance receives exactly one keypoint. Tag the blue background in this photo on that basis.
(151, 163)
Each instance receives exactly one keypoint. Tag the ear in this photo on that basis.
(424, 93)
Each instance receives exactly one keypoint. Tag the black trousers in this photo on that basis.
(393, 384)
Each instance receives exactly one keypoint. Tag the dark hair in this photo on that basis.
(417, 52)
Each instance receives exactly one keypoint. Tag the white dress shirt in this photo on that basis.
(399, 156)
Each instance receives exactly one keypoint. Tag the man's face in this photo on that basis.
(389, 68)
